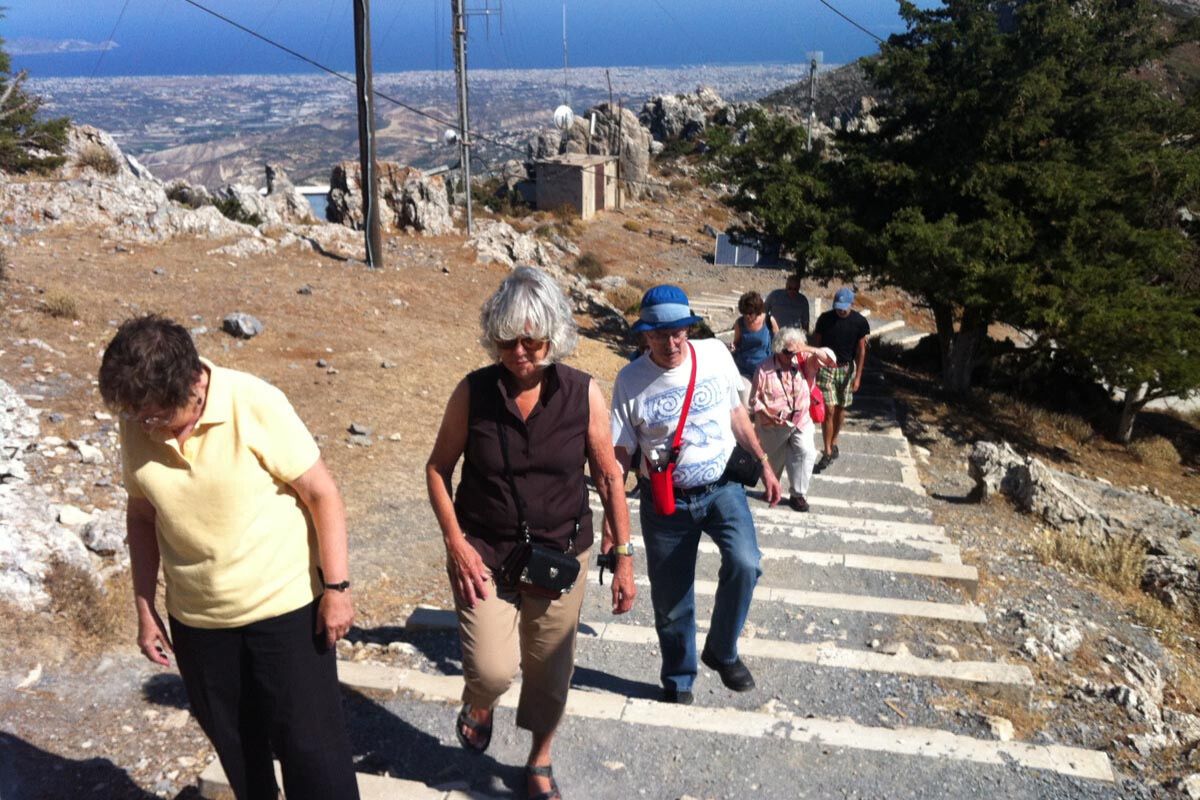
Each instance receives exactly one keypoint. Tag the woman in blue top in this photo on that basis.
(752, 334)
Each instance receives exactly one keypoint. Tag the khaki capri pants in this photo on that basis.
(510, 631)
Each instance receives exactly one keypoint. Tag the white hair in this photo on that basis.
(528, 303)
(787, 337)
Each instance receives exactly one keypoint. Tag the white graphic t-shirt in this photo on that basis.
(646, 409)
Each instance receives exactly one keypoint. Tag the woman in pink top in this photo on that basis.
(779, 396)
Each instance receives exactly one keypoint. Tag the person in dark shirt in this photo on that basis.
(845, 332)
(788, 307)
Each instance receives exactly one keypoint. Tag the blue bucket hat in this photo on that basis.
(843, 299)
(664, 306)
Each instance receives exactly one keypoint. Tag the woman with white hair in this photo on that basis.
(524, 426)
(779, 402)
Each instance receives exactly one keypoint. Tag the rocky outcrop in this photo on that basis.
(281, 204)
(1169, 534)
(681, 116)
(617, 131)
(413, 200)
(102, 187)
(31, 538)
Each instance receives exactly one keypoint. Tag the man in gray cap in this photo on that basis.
(673, 377)
(845, 332)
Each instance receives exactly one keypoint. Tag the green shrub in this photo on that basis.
(232, 209)
(590, 266)
(99, 159)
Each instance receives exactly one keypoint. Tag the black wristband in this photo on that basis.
(338, 587)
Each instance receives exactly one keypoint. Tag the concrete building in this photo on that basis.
(583, 182)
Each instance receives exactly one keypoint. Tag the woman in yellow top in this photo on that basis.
(228, 491)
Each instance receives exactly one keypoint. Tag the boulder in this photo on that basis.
(104, 533)
(544, 144)
(285, 199)
(413, 200)
(243, 326)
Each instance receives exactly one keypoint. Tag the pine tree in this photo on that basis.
(26, 142)
(1019, 173)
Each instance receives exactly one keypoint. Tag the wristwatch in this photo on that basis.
(338, 587)
(622, 549)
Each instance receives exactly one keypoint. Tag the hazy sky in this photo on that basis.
(171, 37)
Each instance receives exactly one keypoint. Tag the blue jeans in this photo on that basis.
(671, 545)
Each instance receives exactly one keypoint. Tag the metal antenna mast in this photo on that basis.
(366, 132)
(566, 80)
(814, 59)
(460, 69)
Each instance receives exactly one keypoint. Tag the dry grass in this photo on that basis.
(632, 225)
(1168, 625)
(590, 266)
(94, 614)
(97, 158)
(60, 306)
(681, 185)
(627, 298)
(1119, 563)
(1075, 428)
(4, 264)
(1156, 451)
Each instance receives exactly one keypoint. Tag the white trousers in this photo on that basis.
(793, 446)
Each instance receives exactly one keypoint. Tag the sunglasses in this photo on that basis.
(528, 343)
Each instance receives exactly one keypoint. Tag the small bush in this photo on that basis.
(97, 158)
(1028, 417)
(565, 214)
(681, 185)
(60, 306)
(3, 263)
(1165, 622)
(1155, 451)
(1077, 429)
(73, 594)
(626, 298)
(590, 266)
(1117, 562)
(632, 225)
(232, 209)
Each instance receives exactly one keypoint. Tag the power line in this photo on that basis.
(108, 41)
(419, 112)
(831, 7)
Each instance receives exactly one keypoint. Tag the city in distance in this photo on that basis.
(218, 129)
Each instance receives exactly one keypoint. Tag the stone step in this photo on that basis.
(774, 724)
(1012, 682)
(834, 511)
(863, 604)
(214, 785)
(964, 576)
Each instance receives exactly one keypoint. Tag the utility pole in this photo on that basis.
(812, 98)
(366, 132)
(460, 69)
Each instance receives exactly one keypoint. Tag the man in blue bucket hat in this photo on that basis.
(845, 332)
(648, 402)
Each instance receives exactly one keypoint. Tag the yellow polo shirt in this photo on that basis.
(236, 543)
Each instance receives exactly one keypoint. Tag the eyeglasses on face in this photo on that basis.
(528, 343)
(677, 335)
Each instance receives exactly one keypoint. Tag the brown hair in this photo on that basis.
(751, 303)
(150, 363)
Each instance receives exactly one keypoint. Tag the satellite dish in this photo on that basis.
(450, 137)
(564, 117)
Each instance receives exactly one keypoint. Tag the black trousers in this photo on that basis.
(269, 687)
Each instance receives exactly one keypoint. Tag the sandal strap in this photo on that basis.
(541, 772)
(465, 718)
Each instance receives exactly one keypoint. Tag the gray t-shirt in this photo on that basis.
(786, 312)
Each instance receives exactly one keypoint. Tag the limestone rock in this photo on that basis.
(73, 517)
(412, 200)
(1100, 511)
(615, 134)
(104, 533)
(88, 454)
(500, 242)
(241, 325)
